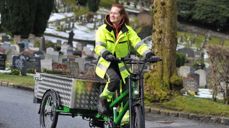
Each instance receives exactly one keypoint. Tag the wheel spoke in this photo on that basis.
(48, 115)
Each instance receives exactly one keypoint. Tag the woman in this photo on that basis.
(115, 39)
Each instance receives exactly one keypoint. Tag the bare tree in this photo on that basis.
(219, 75)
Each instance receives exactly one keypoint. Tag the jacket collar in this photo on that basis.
(109, 25)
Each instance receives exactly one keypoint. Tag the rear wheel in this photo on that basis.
(48, 113)
(138, 117)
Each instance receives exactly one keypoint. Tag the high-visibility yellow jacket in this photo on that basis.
(126, 40)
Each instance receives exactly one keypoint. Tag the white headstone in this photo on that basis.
(202, 80)
(64, 49)
(87, 51)
(183, 71)
(81, 63)
(54, 55)
(6, 45)
(46, 64)
(49, 50)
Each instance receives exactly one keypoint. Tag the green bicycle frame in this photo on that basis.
(118, 117)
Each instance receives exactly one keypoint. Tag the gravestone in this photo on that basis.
(54, 55)
(42, 46)
(26, 61)
(12, 52)
(81, 63)
(46, 64)
(5, 38)
(19, 62)
(6, 46)
(2, 61)
(202, 80)
(70, 38)
(59, 42)
(64, 48)
(87, 52)
(49, 50)
(188, 52)
(39, 54)
(183, 71)
(2, 50)
(191, 83)
(70, 51)
(51, 54)
(21, 47)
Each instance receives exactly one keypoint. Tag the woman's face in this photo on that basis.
(115, 16)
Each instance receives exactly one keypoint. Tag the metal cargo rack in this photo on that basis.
(74, 93)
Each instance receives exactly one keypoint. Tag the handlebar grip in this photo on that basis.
(154, 59)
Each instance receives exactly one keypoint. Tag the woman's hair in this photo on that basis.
(122, 12)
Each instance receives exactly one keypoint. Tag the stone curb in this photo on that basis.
(8, 84)
(191, 116)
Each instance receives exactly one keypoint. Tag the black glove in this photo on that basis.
(108, 56)
(149, 55)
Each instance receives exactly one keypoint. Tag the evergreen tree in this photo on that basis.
(185, 9)
(4, 9)
(82, 2)
(205, 13)
(22, 17)
(42, 14)
(93, 5)
(212, 13)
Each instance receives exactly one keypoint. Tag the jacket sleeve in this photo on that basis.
(137, 44)
(100, 42)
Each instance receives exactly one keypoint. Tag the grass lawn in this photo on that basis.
(196, 105)
(26, 81)
(200, 38)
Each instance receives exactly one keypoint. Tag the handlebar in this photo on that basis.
(142, 61)
(137, 61)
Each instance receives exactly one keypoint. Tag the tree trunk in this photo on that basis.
(164, 75)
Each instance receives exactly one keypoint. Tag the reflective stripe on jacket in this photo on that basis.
(121, 46)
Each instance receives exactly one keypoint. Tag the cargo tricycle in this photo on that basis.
(61, 95)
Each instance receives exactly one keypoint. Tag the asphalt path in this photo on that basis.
(17, 110)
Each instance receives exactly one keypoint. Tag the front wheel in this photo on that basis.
(48, 113)
(138, 120)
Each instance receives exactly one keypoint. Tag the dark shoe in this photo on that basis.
(126, 126)
(97, 123)
(103, 106)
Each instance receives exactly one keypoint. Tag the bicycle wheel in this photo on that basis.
(48, 114)
(138, 117)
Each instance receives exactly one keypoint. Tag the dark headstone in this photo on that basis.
(2, 61)
(18, 61)
(187, 51)
(191, 82)
(23, 63)
(5, 38)
(42, 46)
(70, 38)
(21, 46)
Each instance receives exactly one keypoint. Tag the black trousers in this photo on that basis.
(113, 76)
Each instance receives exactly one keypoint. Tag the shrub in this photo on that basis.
(14, 71)
(180, 59)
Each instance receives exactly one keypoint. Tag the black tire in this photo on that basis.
(48, 114)
(138, 117)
